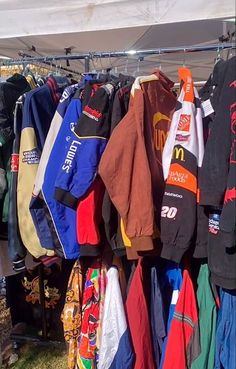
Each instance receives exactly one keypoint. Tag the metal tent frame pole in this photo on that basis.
(119, 54)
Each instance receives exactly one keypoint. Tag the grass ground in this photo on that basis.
(34, 357)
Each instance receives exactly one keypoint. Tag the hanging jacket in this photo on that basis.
(3, 182)
(228, 215)
(216, 163)
(182, 155)
(39, 108)
(10, 91)
(207, 321)
(71, 315)
(109, 213)
(115, 349)
(88, 350)
(16, 248)
(80, 163)
(52, 134)
(71, 224)
(225, 352)
(132, 159)
(171, 280)
(138, 321)
(157, 317)
(38, 209)
(183, 340)
(63, 217)
(5, 153)
(218, 177)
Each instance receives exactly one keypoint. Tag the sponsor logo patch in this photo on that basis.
(214, 221)
(178, 153)
(182, 138)
(14, 162)
(92, 113)
(184, 122)
(181, 177)
(171, 194)
(70, 156)
(31, 156)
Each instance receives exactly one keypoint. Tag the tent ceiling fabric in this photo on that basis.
(108, 25)
(29, 17)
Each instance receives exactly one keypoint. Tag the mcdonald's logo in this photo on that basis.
(178, 153)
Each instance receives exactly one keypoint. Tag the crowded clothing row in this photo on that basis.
(158, 321)
(124, 167)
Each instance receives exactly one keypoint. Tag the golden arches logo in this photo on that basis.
(178, 153)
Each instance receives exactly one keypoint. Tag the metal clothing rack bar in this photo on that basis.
(27, 59)
(119, 54)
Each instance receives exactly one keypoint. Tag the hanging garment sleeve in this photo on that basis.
(80, 164)
(182, 155)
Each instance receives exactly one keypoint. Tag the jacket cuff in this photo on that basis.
(142, 243)
(19, 265)
(131, 253)
(90, 250)
(211, 199)
(65, 198)
(171, 252)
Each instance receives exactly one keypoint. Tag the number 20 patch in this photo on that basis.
(167, 212)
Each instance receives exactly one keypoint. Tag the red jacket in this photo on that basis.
(183, 345)
(138, 321)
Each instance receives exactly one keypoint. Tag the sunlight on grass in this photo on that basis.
(32, 357)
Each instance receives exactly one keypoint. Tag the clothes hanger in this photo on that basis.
(159, 60)
(230, 51)
(137, 73)
(181, 82)
(184, 59)
(50, 69)
(126, 66)
(218, 55)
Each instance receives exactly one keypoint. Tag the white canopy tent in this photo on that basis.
(113, 25)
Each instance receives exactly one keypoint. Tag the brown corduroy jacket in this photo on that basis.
(131, 166)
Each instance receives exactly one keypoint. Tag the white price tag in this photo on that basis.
(207, 108)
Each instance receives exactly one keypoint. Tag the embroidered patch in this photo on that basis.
(31, 156)
(14, 162)
(92, 113)
(184, 122)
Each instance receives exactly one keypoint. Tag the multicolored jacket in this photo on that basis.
(35, 126)
(180, 353)
(80, 162)
(182, 156)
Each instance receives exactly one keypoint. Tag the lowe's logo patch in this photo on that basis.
(70, 155)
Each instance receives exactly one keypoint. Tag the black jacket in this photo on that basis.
(216, 162)
(110, 215)
(17, 250)
(10, 91)
(218, 176)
